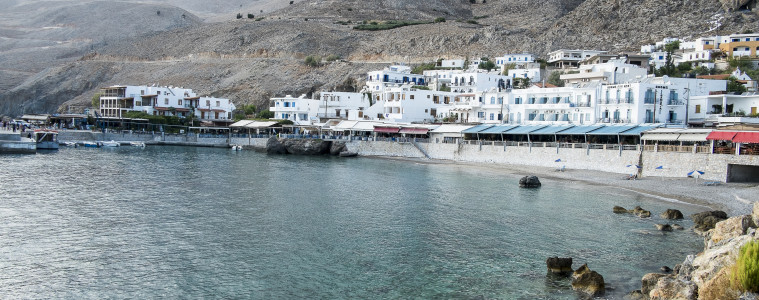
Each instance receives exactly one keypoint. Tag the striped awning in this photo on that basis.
(410, 130)
(386, 129)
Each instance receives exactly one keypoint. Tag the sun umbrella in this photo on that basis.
(558, 160)
(637, 166)
(695, 172)
(660, 168)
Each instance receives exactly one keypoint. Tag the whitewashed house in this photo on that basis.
(518, 59)
(301, 110)
(163, 101)
(376, 81)
(345, 105)
(407, 104)
(477, 81)
(611, 72)
(453, 63)
(723, 109)
(570, 58)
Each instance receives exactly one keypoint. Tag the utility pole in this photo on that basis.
(687, 105)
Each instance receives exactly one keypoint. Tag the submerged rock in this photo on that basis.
(663, 227)
(677, 227)
(620, 210)
(588, 282)
(672, 214)
(529, 182)
(708, 219)
(559, 265)
(348, 154)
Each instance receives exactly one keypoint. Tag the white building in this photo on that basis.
(611, 72)
(301, 110)
(407, 104)
(163, 101)
(570, 58)
(518, 59)
(723, 109)
(453, 63)
(393, 75)
(534, 74)
(346, 105)
(477, 81)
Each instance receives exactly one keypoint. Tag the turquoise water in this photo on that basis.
(175, 222)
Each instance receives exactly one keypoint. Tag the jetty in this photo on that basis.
(14, 143)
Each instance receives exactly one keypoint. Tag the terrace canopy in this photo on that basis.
(746, 137)
(721, 135)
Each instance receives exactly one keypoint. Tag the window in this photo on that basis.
(480, 115)
(208, 102)
(517, 100)
(492, 100)
(411, 97)
(492, 116)
(179, 101)
(500, 100)
(166, 101)
(698, 108)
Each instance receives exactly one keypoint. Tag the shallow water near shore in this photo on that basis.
(180, 222)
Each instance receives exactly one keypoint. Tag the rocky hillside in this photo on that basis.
(249, 60)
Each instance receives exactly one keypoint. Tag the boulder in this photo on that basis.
(732, 5)
(672, 214)
(641, 213)
(635, 295)
(587, 281)
(755, 215)
(669, 287)
(730, 228)
(529, 182)
(708, 219)
(348, 154)
(665, 269)
(275, 146)
(620, 210)
(337, 148)
(678, 227)
(663, 227)
(307, 146)
(559, 265)
(649, 281)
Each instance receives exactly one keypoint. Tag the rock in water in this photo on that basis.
(589, 282)
(677, 227)
(336, 148)
(274, 146)
(663, 227)
(529, 182)
(559, 265)
(672, 214)
(706, 220)
(620, 210)
(641, 213)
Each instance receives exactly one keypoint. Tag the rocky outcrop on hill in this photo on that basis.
(706, 275)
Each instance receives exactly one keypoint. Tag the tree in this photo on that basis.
(522, 83)
(266, 114)
(733, 86)
(487, 65)
(239, 15)
(555, 79)
(672, 46)
(96, 100)
(249, 109)
(684, 67)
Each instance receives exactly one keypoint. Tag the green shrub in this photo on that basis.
(266, 114)
(333, 57)
(745, 274)
(439, 20)
(421, 87)
(472, 22)
(313, 61)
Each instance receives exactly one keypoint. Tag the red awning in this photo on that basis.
(721, 136)
(414, 130)
(387, 129)
(746, 137)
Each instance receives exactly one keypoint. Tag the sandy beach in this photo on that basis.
(733, 198)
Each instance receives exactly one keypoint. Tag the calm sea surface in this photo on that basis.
(175, 222)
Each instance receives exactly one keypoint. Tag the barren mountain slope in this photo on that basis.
(248, 60)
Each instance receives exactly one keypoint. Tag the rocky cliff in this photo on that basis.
(706, 275)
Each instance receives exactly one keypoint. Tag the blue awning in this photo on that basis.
(552, 129)
(612, 130)
(524, 129)
(580, 130)
(499, 129)
(638, 130)
(478, 128)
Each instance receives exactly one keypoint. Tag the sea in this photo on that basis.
(186, 222)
